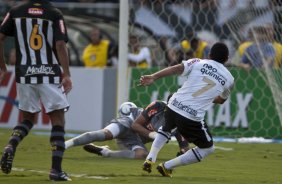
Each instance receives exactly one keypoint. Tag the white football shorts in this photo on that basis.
(32, 96)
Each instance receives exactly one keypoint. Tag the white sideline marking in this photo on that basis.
(72, 175)
(223, 148)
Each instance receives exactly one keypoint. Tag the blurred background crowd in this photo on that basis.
(165, 32)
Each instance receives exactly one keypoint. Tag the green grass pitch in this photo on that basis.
(244, 164)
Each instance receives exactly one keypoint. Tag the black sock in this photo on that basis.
(19, 132)
(57, 141)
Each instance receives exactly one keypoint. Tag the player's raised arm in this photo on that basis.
(146, 80)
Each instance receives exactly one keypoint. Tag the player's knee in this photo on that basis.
(209, 150)
(57, 117)
(99, 135)
(201, 153)
(112, 130)
(108, 134)
(164, 133)
(29, 116)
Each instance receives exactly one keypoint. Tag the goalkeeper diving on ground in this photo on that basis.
(132, 129)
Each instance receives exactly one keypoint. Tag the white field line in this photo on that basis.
(216, 147)
(223, 148)
(71, 175)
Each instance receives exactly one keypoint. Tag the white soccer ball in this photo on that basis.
(124, 109)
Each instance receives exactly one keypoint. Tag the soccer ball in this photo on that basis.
(124, 109)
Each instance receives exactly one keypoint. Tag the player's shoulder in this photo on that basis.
(189, 62)
(161, 104)
(209, 64)
(231, 77)
(214, 65)
(208, 61)
(36, 8)
(19, 7)
(224, 68)
(228, 74)
(48, 7)
(154, 108)
(53, 9)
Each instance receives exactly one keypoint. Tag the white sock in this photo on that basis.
(105, 152)
(86, 138)
(157, 145)
(186, 158)
(118, 154)
(69, 143)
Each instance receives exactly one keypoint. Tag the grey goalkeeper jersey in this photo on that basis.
(127, 138)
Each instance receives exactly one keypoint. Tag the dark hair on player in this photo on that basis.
(168, 97)
(219, 52)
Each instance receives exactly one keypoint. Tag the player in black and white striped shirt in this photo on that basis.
(40, 39)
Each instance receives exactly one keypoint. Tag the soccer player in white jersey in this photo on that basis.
(208, 81)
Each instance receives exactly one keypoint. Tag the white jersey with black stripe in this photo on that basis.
(205, 80)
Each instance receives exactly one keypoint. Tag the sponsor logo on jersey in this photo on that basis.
(185, 108)
(35, 11)
(193, 61)
(212, 71)
(34, 70)
(62, 26)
